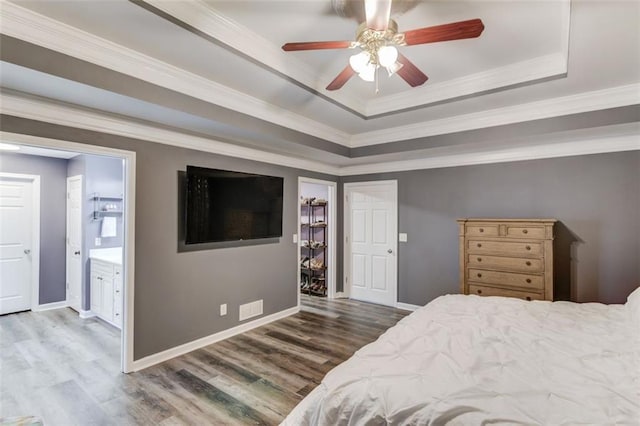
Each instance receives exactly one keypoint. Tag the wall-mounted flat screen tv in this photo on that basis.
(222, 205)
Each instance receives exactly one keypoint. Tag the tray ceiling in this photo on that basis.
(535, 60)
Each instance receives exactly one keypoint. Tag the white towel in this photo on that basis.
(108, 227)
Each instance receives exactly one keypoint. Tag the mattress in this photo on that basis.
(464, 360)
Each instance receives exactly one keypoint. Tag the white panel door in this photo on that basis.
(74, 242)
(371, 242)
(16, 222)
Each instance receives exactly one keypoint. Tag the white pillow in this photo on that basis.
(633, 308)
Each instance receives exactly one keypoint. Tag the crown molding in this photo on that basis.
(66, 115)
(504, 155)
(573, 104)
(24, 24)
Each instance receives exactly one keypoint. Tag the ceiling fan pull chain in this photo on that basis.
(375, 77)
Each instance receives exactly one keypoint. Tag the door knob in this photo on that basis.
(77, 252)
(389, 251)
(27, 251)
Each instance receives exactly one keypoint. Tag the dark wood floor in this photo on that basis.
(66, 370)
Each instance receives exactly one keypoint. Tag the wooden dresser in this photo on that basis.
(507, 257)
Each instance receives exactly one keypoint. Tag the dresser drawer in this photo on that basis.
(508, 263)
(481, 290)
(525, 281)
(477, 230)
(525, 231)
(505, 247)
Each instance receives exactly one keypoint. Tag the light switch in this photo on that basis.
(295, 238)
(402, 237)
(98, 242)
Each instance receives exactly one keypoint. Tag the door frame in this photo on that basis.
(129, 157)
(35, 234)
(333, 224)
(81, 242)
(347, 188)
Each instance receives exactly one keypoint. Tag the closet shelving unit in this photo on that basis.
(313, 250)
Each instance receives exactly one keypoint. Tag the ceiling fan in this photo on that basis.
(378, 37)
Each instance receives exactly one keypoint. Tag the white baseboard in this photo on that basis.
(407, 306)
(49, 306)
(86, 314)
(341, 295)
(166, 355)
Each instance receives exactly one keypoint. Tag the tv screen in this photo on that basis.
(230, 206)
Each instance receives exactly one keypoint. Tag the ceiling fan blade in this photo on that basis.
(316, 45)
(378, 13)
(453, 31)
(342, 78)
(410, 73)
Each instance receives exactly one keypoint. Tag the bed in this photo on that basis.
(470, 360)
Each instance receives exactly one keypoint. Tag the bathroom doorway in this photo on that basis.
(84, 262)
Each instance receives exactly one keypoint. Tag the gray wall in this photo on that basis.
(177, 294)
(596, 198)
(53, 187)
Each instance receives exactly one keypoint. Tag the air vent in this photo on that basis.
(250, 310)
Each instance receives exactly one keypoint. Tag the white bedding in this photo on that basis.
(470, 360)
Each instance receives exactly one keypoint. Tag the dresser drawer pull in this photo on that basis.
(479, 259)
(528, 297)
(481, 229)
(524, 231)
(479, 245)
(528, 247)
(528, 280)
(479, 291)
(479, 275)
(528, 263)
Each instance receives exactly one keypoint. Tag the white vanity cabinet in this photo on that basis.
(106, 290)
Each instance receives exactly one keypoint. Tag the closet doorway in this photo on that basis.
(316, 238)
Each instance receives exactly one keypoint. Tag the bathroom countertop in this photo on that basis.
(111, 255)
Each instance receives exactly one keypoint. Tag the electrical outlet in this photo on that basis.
(98, 242)
(223, 309)
(402, 237)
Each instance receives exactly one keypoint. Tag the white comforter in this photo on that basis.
(467, 360)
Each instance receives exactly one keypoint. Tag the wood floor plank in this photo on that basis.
(310, 354)
(224, 366)
(221, 400)
(66, 369)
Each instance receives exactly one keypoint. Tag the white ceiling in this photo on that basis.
(534, 60)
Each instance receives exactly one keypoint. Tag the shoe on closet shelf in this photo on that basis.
(305, 201)
(316, 264)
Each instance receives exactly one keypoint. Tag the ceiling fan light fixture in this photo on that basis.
(394, 68)
(369, 73)
(360, 61)
(387, 56)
